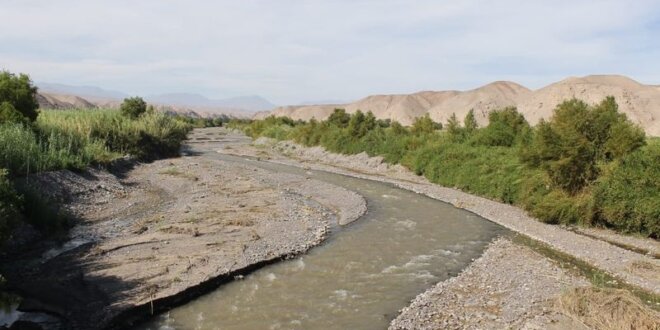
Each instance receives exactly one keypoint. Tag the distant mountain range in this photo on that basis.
(67, 96)
(640, 102)
(80, 91)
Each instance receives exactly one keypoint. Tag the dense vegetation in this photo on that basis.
(587, 165)
(33, 141)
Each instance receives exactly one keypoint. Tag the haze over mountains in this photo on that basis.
(640, 102)
(61, 96)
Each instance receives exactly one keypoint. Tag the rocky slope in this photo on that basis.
(640, 102)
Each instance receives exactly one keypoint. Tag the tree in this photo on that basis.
(339, 118)
(423, 125)
(19, 92)
(453, 127)
(133, 107)
(397, 128)
(506, 127)
(470, 123)
(572, 144)
(8, 114)
(355, 125)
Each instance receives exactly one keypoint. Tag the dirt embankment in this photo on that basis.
(510, 286)
(165, 232)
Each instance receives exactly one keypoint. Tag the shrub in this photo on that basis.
(506, 127)
(578, 137)
(628, 193)
(133, 107)
(469, 122)
(20, 93)
(424, 125)
(9, 114)
(339, 118)
(360, 124)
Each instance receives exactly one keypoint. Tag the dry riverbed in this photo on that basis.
(161, 233)
(511, 285)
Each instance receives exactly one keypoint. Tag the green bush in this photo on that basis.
(506, 128)
(20, 93)
(133, 107)
(577, 138)
(8, 114)
(424, 125)
(628, 193)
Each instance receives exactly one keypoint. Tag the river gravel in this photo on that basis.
(509, 286)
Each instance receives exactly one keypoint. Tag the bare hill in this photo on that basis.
(58, 101)
(640, 102)
(482, 100)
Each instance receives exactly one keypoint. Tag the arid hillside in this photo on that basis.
(58, 101)
(640, 102)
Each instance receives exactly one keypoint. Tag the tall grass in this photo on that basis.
(74, 139)
(150, 136)
(24, 151)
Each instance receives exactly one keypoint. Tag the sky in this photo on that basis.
(295, 51)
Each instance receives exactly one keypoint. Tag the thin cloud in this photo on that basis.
(290, 51)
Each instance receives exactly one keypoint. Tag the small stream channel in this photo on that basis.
(359, 278)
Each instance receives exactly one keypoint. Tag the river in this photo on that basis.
(359, 278)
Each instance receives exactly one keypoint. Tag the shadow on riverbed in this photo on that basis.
(62, 286)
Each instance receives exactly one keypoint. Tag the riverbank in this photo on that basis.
(626, 265)
(162, 233)
(497, 291)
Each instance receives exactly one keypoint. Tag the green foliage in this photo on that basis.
(23, 152)
(360, 124)
(20, 93)
(10, 204)
(424, 125)
(453, 126)
(506, 128)
(339, 118)
(257, 127)
(588, 165)
(8, 114)
(148, 137)
(133, 107)
(197, 122)
(470, 123)
(578, 137)
(628, 193)
(74, 139)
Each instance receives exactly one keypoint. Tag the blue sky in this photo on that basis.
(292, 51)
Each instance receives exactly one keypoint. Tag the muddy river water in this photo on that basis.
(358, 278)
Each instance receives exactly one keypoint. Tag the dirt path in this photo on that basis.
(168, 231)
